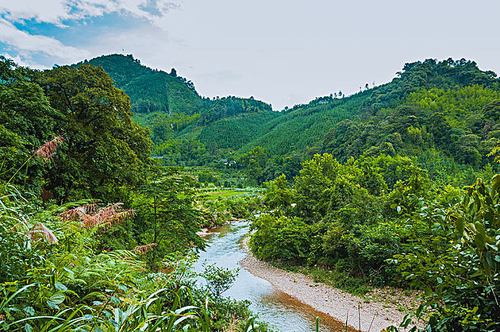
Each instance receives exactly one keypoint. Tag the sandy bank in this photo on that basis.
(328, 300)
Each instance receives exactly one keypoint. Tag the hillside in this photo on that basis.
(314, 120)
(180, 119)
(408, 116)
(150, 90)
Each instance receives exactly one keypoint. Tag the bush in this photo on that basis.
(280, 238)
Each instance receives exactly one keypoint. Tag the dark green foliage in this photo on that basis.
(230, 106)
(88, 272)
(116, 156)
(103, 150)
(381, 221)
(353, 214)
(305, 125)
(447, 74)
(382, 209)
(447, 107)
(281, 238)
(461, 124)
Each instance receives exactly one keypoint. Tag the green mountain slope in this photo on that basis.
(150, 90)
(306, 125)
(446, 111)
(176, 114)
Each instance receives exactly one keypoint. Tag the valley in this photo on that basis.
(113, 173)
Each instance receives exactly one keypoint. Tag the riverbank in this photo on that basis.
(360, 314)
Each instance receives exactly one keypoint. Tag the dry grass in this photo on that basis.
(47, 150)
(91, 215)
(141, 250)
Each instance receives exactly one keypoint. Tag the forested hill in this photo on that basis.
(186, 128)
(444, 111)
(150, 90)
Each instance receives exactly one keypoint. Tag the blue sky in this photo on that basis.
(281, 51)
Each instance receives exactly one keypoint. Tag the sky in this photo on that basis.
(284, 52)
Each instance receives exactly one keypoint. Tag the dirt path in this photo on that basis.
(373, 316)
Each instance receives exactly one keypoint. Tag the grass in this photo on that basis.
(226, 192)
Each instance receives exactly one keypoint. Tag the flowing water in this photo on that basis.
(280, 311)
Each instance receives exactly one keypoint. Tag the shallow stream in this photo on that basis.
(280, 311)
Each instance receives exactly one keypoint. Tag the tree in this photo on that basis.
(167, 216)
(104, 150)
(26, 121)
(254, 163)
(458, 264)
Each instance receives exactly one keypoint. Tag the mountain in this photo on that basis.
(150, 90)
(179, 118)
(448, 109)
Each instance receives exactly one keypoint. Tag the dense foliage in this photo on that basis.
(187, 129)
(428, 104)
(368, 187)
(150, 90)
(354, 215)
(56, 277)
(382, 221)
(460, 125)
(75, 104)
(457, 263)
(73, 258)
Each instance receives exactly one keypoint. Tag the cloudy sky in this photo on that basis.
(281, 51)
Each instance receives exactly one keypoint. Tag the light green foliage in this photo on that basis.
(167, 215)
(459, 124)
(380, 221)
(447, 108)
(219, 279)
(59, 279)
(221, 206)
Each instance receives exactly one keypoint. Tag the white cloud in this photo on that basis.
(18, 60)
(27, 43)
(58, 11)
(51, 11)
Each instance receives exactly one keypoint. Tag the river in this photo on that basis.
(280, 311)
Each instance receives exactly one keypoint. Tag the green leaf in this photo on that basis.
(55, 300)
(60, 286)
(29, 310)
